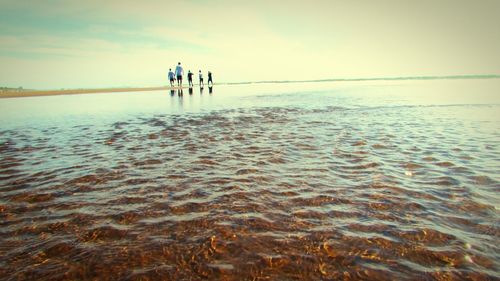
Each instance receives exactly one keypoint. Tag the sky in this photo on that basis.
(52, 44)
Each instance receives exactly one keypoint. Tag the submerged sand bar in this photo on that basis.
(36, 93)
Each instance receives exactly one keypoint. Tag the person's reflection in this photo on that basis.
(190, 90)
(201, 90)
(172, 92)
(181, 103)
(179, 92)
(210, 89)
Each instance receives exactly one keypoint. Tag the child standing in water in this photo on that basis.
(201, 78)
(171, 77)
(190, 78)
(210, 78)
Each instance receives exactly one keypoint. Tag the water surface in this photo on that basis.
(311, 181)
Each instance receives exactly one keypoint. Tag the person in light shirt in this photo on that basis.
(171, 77)
(201, 78)
(179, 72)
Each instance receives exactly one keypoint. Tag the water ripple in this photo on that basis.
(252, 194)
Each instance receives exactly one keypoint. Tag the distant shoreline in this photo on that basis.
(15, 93)
(39, 93)
(402, 78)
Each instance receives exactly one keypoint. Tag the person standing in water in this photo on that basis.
(201, 78)
(210, 79)
(171, 77)
(190, 78)
(179, 72)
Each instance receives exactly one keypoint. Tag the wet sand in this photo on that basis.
(38, 93)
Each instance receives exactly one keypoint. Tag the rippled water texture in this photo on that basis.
(336, 184)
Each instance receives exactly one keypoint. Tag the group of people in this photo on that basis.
(179, 73)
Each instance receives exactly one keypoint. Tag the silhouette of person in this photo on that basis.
(210, 78)
(190, 78)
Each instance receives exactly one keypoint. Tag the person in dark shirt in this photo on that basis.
(210, 78)
(190, 78)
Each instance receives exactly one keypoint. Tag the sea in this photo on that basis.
(336, 180)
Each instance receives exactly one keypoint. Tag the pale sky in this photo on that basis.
(51, 44)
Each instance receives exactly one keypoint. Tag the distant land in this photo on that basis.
(10, 92)
(485, 76)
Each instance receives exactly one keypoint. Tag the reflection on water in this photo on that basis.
(289, 192)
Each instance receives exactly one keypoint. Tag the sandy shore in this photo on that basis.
(35, 93)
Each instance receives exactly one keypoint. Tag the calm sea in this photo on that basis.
(374, 180)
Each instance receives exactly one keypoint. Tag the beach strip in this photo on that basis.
(38, 93)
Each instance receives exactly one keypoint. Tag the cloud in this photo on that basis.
(135, 42)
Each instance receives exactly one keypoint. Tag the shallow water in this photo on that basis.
(311, 181)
